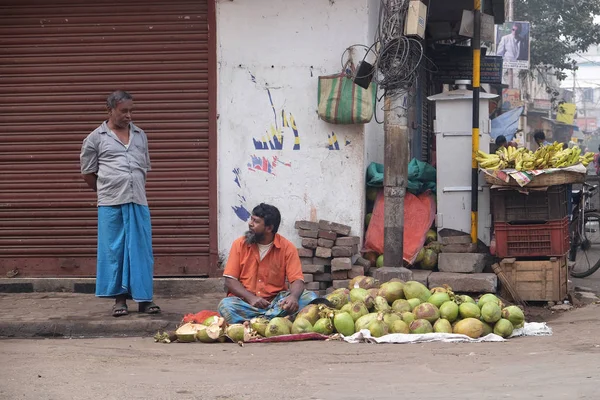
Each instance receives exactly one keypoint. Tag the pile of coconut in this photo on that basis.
(392, 307)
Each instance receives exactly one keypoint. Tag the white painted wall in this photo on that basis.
(280, 47)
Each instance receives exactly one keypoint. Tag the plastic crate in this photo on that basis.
(549, 239)
(537, 206)
(537, 280)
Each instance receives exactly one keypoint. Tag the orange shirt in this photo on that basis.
(264, 278)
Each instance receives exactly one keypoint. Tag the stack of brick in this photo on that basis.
(330, 256)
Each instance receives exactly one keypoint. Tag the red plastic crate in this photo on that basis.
(550, 239)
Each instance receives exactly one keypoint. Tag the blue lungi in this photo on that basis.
(235, 310)
(125, 260)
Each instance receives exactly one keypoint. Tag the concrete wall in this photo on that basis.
(270, 53)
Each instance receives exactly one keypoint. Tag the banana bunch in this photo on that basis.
(550, 156)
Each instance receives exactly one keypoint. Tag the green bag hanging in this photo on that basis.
(343, 102)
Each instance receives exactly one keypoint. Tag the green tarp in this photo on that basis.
(421, 176)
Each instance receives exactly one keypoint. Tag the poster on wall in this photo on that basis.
(511, 98)
(512, 44)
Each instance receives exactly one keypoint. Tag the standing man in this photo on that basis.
(509, 46)
(540, 138)
(255, 275)
(114, 162)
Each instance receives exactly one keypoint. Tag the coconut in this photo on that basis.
(449, 311)
(310, 313)
(437, 299)
(259, 324)
(289, 322)
(372, 258)
(442, 326)
(235, 332)
(277, 326)
(210, 320)
(377, 327)
(491, 312)
(463, 298)
(379, 262)
(346, 308)
(391, 317)
(363, 321)
(368, 219)
(357, 310)
(399, 327)
(487, 329)
(301, 325)
(362, 295)
(344, 323)
(210, 334)
(408, 317)
(416, 290)
(420, 326)
(503, 328)
(372, 193)
(392, 291)
(487, 298)
(430, 259)
(401, 305)
(413, 303)
(515, 315)
(471, 327)
(186, 333)
(456, 322)
(338, 300)
(427, 311)
(323, 326)
(469, 310)
(435, 246)
(420, 255)
(381, 304)
(363, 282)
(430, 236)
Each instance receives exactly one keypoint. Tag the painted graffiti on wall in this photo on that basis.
(333, 142)
(266, 165)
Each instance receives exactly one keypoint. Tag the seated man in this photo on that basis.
(258, 265)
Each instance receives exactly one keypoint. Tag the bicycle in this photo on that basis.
(584, 229)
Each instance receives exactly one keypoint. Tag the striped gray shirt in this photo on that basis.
(121, 169)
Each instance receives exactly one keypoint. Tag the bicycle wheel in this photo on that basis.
(585, 247)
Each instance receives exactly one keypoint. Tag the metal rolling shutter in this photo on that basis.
(58, 62)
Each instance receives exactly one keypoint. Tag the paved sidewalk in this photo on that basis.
(84, 315)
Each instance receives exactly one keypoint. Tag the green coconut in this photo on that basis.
(277, 326)
(435, 246)
(363, 282)
(463, 298)
(416, 290)
(363, 321)
(491, 312)
(235, 332)
(442, 326)
(210, 334)
(392, 291)
(323, 326)
(344, 323)
(259, 324)
(399, 327)
(420, 326)
(449, 311)
(210, 320)
(346, 308)
(471, 327)
(372, 193)
(437, 299)
(408, 317)
(357, 310)
(413, 303)
(487, 298)
(378, 327)
(487, 329)
(379, 262)
(368, 219)
(515, 315)
(430, 260)
(186, 333)
(439, 289)
(430, 236)
(309, 313)
(362, 295)
(427, 311)
(391, 317)
(401, 305)
(289, 322)
(381, 304)
(469, 310)
(420, 255)
(338, 300)
(503, 328)
(301, 325)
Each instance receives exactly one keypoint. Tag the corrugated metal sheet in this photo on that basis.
(58, 62)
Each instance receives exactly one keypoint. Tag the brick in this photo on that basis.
(341, 264)
(453, 237)
(324, 285)
(324, 277)
(340, 283)
(321, 261)
(356, 270)
(322, 242)
(342, 251)
(306, 260)
(342, 230)
(308, 278)
(347, 241)
(309, 243)
(468, 283)
(466, 263)
(363, 262)
(384, 274)
(305, 233)
(323, 252)
(308, 253)
(313, 269)
(326, 234)
(355, 249)
(421, 276)
(308, 225)
(312, 286)
(459, 248)
(320, 293)
(337, 275)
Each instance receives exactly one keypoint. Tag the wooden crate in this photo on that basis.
(544, 280)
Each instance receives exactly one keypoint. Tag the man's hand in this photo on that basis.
(259, 302)
(290, 304)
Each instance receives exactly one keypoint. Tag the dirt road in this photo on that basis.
(563, 366)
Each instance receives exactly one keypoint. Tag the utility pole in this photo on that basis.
(511, 17)
(476, 46)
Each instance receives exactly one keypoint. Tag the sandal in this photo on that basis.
(119, 310)
(148, 307)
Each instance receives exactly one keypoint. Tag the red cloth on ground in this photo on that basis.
(199, 317)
